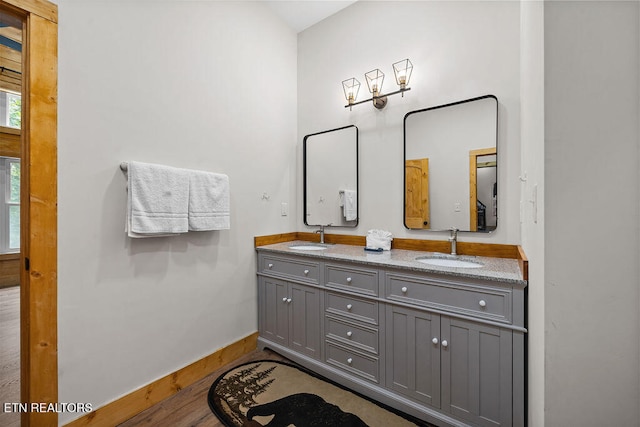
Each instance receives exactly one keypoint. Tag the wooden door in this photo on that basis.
(416, 197)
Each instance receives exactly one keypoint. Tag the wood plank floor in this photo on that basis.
(189, 407)
(9, 353)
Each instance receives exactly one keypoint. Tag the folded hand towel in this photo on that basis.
(379, 239)
(158, 200)
(350, 205)
(208, 201)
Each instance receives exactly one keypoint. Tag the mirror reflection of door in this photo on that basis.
(483, 192)
(445, 134)
(417, 194)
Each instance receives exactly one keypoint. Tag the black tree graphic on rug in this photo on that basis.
(304, 410)
(241, 388)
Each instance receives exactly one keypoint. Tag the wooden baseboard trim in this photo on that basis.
(143, 398)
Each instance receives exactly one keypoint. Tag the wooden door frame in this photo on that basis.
(38, 206)
(473, 183)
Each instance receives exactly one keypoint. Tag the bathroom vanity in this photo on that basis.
(445, 344)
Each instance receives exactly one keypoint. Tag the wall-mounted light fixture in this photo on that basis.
(375, 78)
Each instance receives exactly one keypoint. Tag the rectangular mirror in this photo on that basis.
(450, 166)
(330, 172)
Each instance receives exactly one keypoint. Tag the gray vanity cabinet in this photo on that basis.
(289, 311)
(290, 315)
(413, 357)
(476, 371)
(445, 348)
(459, 366)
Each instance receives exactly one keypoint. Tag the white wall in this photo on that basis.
(459, 50)
(533, 215)
(202, 85)
(591, 213)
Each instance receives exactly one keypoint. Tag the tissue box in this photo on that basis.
(379, 239)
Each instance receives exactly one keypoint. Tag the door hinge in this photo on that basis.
(26, 264)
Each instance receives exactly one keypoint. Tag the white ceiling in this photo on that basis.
(302, 14)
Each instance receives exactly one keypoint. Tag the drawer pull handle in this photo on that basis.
(288, 300)
(349, 361)
(435, 340)
(306, 272)
(349, 333)
(270, 265)
(349, 279)
(445, 343)
(349, 306)
(482, 303)
(404, 289)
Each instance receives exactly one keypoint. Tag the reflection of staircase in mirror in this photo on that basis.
(416, 205)
(482, 215)
(477, 160)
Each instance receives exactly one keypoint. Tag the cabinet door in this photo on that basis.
(476, 372)
(413, 354)
(274, 310)
(305, 320)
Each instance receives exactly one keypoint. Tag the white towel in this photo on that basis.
(208, 201)
(350, 205)
(379, 239)
(157, 201)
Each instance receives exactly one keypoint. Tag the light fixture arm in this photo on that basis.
(380, 99)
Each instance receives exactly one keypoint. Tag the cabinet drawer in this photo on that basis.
(354, 308)
(307, 271)
(352, 362)
(359, 280)
(470, 300)
(352, 334)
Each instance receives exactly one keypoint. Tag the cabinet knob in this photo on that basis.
(284, 299)
(435, 340)
(270, 266)
(288, 300)
(349, 361)
(349, 306)
(404, 289)
(349, 279)
(349, 333)
(445, 343)
(482, 303)
(306, 272)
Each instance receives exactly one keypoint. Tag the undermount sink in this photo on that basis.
(307, 247)
(448, 262)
